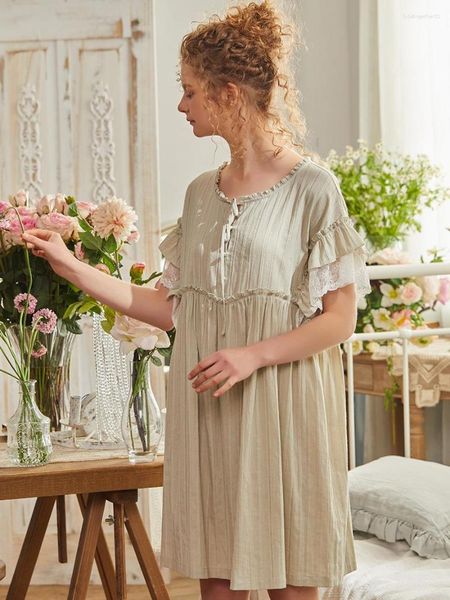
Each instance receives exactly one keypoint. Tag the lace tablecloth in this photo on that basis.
(429, 373)
(66, 454)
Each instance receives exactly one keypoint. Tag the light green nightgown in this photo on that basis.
(255, 482)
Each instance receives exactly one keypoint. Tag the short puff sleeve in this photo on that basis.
(170, 247)
(336, 252)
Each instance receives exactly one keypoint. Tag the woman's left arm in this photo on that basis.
(334, 325)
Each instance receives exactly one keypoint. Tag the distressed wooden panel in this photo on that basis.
(61, 20)
(27, 114)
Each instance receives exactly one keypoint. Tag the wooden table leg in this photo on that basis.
(417, 417)
(119, 546)
(144, 553)
(102, 557)
(30, 548)
(87, 545)
(61, 528)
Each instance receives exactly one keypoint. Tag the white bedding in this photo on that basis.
(391, 571)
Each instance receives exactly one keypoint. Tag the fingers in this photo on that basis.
(204, 364)
(43, 234)
(229, 384)
(33, 242)
(208, 382)
(204, 375)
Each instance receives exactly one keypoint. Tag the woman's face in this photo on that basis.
(194, 104)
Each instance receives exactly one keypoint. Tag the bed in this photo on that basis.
(392, 571)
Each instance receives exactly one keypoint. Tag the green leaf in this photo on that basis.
(155, 360)
(73, 326)
(110, 244)
(90, 241)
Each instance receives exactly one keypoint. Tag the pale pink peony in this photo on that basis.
(389, 256)
(20, 198)
(133, 334)
(44, 320)
(444, 290)
(62, 224)
(85, 209)
(20, 302)
(13, 237)
(411, 293)
(114, 217)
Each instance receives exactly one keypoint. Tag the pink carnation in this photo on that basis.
(20, 302)
(45, 320)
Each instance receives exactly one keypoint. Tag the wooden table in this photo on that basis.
(93, 482)
(372, 377)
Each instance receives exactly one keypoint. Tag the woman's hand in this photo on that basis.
(230, 365)
(49, 245)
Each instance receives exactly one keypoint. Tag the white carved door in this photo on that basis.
(77, 116)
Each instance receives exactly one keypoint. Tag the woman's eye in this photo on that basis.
(189, 96)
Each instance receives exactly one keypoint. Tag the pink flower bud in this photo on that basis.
(137, 271)
(79, 251)
(20, 198)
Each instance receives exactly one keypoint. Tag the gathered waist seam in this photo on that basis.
(235, 297)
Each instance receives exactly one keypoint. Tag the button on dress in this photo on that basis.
(255, 482)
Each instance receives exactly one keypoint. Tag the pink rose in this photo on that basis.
(4, 207)
(411, 293)
(62, 224)
(79, 251)
(85, 209)
(44, 206)
(20, 198)
(133, 237)
(444, 290)
(14, 235)
(61, 204)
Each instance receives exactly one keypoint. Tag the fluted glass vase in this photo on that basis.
(141, 418)
(51, 372)
(29, 443)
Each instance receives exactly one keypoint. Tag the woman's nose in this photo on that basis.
(181, 107)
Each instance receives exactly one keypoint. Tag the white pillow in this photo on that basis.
(397, 498)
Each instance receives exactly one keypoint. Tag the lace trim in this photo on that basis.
(256, 195)
(323, 232)
(170, 275)
(235, 297)
(349, 268)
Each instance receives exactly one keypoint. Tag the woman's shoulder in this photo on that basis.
(319, 176)
(204, 181)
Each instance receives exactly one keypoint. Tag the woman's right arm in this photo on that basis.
(150, 305)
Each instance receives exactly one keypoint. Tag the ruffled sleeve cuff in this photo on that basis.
(337, 258)
(170, 247)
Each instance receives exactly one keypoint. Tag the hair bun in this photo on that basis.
(259, 21)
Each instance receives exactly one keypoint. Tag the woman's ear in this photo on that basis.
(231, 93)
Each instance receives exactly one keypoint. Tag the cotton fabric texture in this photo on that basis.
(255, 482)
(398, 498)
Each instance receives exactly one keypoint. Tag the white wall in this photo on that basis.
(326, 75)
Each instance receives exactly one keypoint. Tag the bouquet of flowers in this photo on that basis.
(395, 304)
(386, 192)
(95, 234)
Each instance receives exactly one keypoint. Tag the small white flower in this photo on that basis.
(382, 319)
(372, 347)
(357, 347)
(391, 295)
(368, 328)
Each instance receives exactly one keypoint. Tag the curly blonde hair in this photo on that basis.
(250, 47)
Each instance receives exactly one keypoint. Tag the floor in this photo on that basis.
(185, 589)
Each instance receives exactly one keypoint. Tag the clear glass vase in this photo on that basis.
(29, 443)
(51, 372)
(141, 418)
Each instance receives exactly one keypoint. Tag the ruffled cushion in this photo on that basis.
(170, 247)
(397, 498)
(337, 257)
